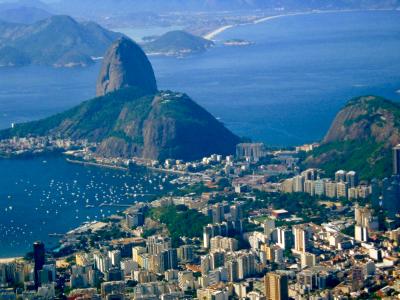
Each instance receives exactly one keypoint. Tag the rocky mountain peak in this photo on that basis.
(366, 118)
(125, 65)
(360, 138)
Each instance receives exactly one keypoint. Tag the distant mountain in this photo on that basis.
(133, 119)
(361, 138)
(13, 4)
(58, 41)
(80, 7)
(177, 43)
(24, 15)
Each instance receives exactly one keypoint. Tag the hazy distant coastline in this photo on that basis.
(214, 33)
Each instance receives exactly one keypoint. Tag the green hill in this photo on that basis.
(177, 43)
(131, 123)
(361, 138)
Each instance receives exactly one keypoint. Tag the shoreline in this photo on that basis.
(213, 34)
(94, 164)
(10, 259)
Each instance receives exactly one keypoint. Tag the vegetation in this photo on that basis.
(369, 159)
(93, 119)
(374, 105)
(350, 231)
(180, 221)
(70, 259)
(112, 233)
(360, 139)
(173, 125)
(197, 189)
(300, 204)
(149, 232)
(178, 42)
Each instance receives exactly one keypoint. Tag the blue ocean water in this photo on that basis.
(46, 195)
(283, 90)
(287, 88)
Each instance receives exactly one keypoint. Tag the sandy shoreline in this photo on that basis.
(213, 34)
(9, 260)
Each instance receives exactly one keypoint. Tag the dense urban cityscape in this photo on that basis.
(250, 226)
(199, 149)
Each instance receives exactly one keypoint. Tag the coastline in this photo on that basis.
(213, 34)
(9, 259)
(93, 164)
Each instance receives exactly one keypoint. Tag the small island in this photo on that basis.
(237, 42)
(177, 43)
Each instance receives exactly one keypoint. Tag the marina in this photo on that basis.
(49, 196)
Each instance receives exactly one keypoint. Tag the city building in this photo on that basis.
(223, 243)
(114, 288)
(342, 189)
(365, 222)
(298, 184)
(250, 151)
(391, 195)
(319, 187)
(330, 189)
(302, 234)
(39, 261)
(156, 244)
(185, 253)
(340, 176)
(396, 160)
(357, 278)
(115, 257)
(285, 238)
(308, 260)
(134, 219)
(218, 213)
(269, 228)
(276, 286)
(287, 186)
(352, 179)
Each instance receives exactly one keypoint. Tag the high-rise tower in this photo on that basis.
(39, 260)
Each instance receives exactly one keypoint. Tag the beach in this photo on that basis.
(9, 260)
(213, 34)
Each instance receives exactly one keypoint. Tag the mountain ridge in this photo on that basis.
(57, 41)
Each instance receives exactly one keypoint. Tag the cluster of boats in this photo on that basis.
(37, 207)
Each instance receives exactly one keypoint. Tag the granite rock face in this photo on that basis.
(131, 118)
(125, 65)
(366, 118)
